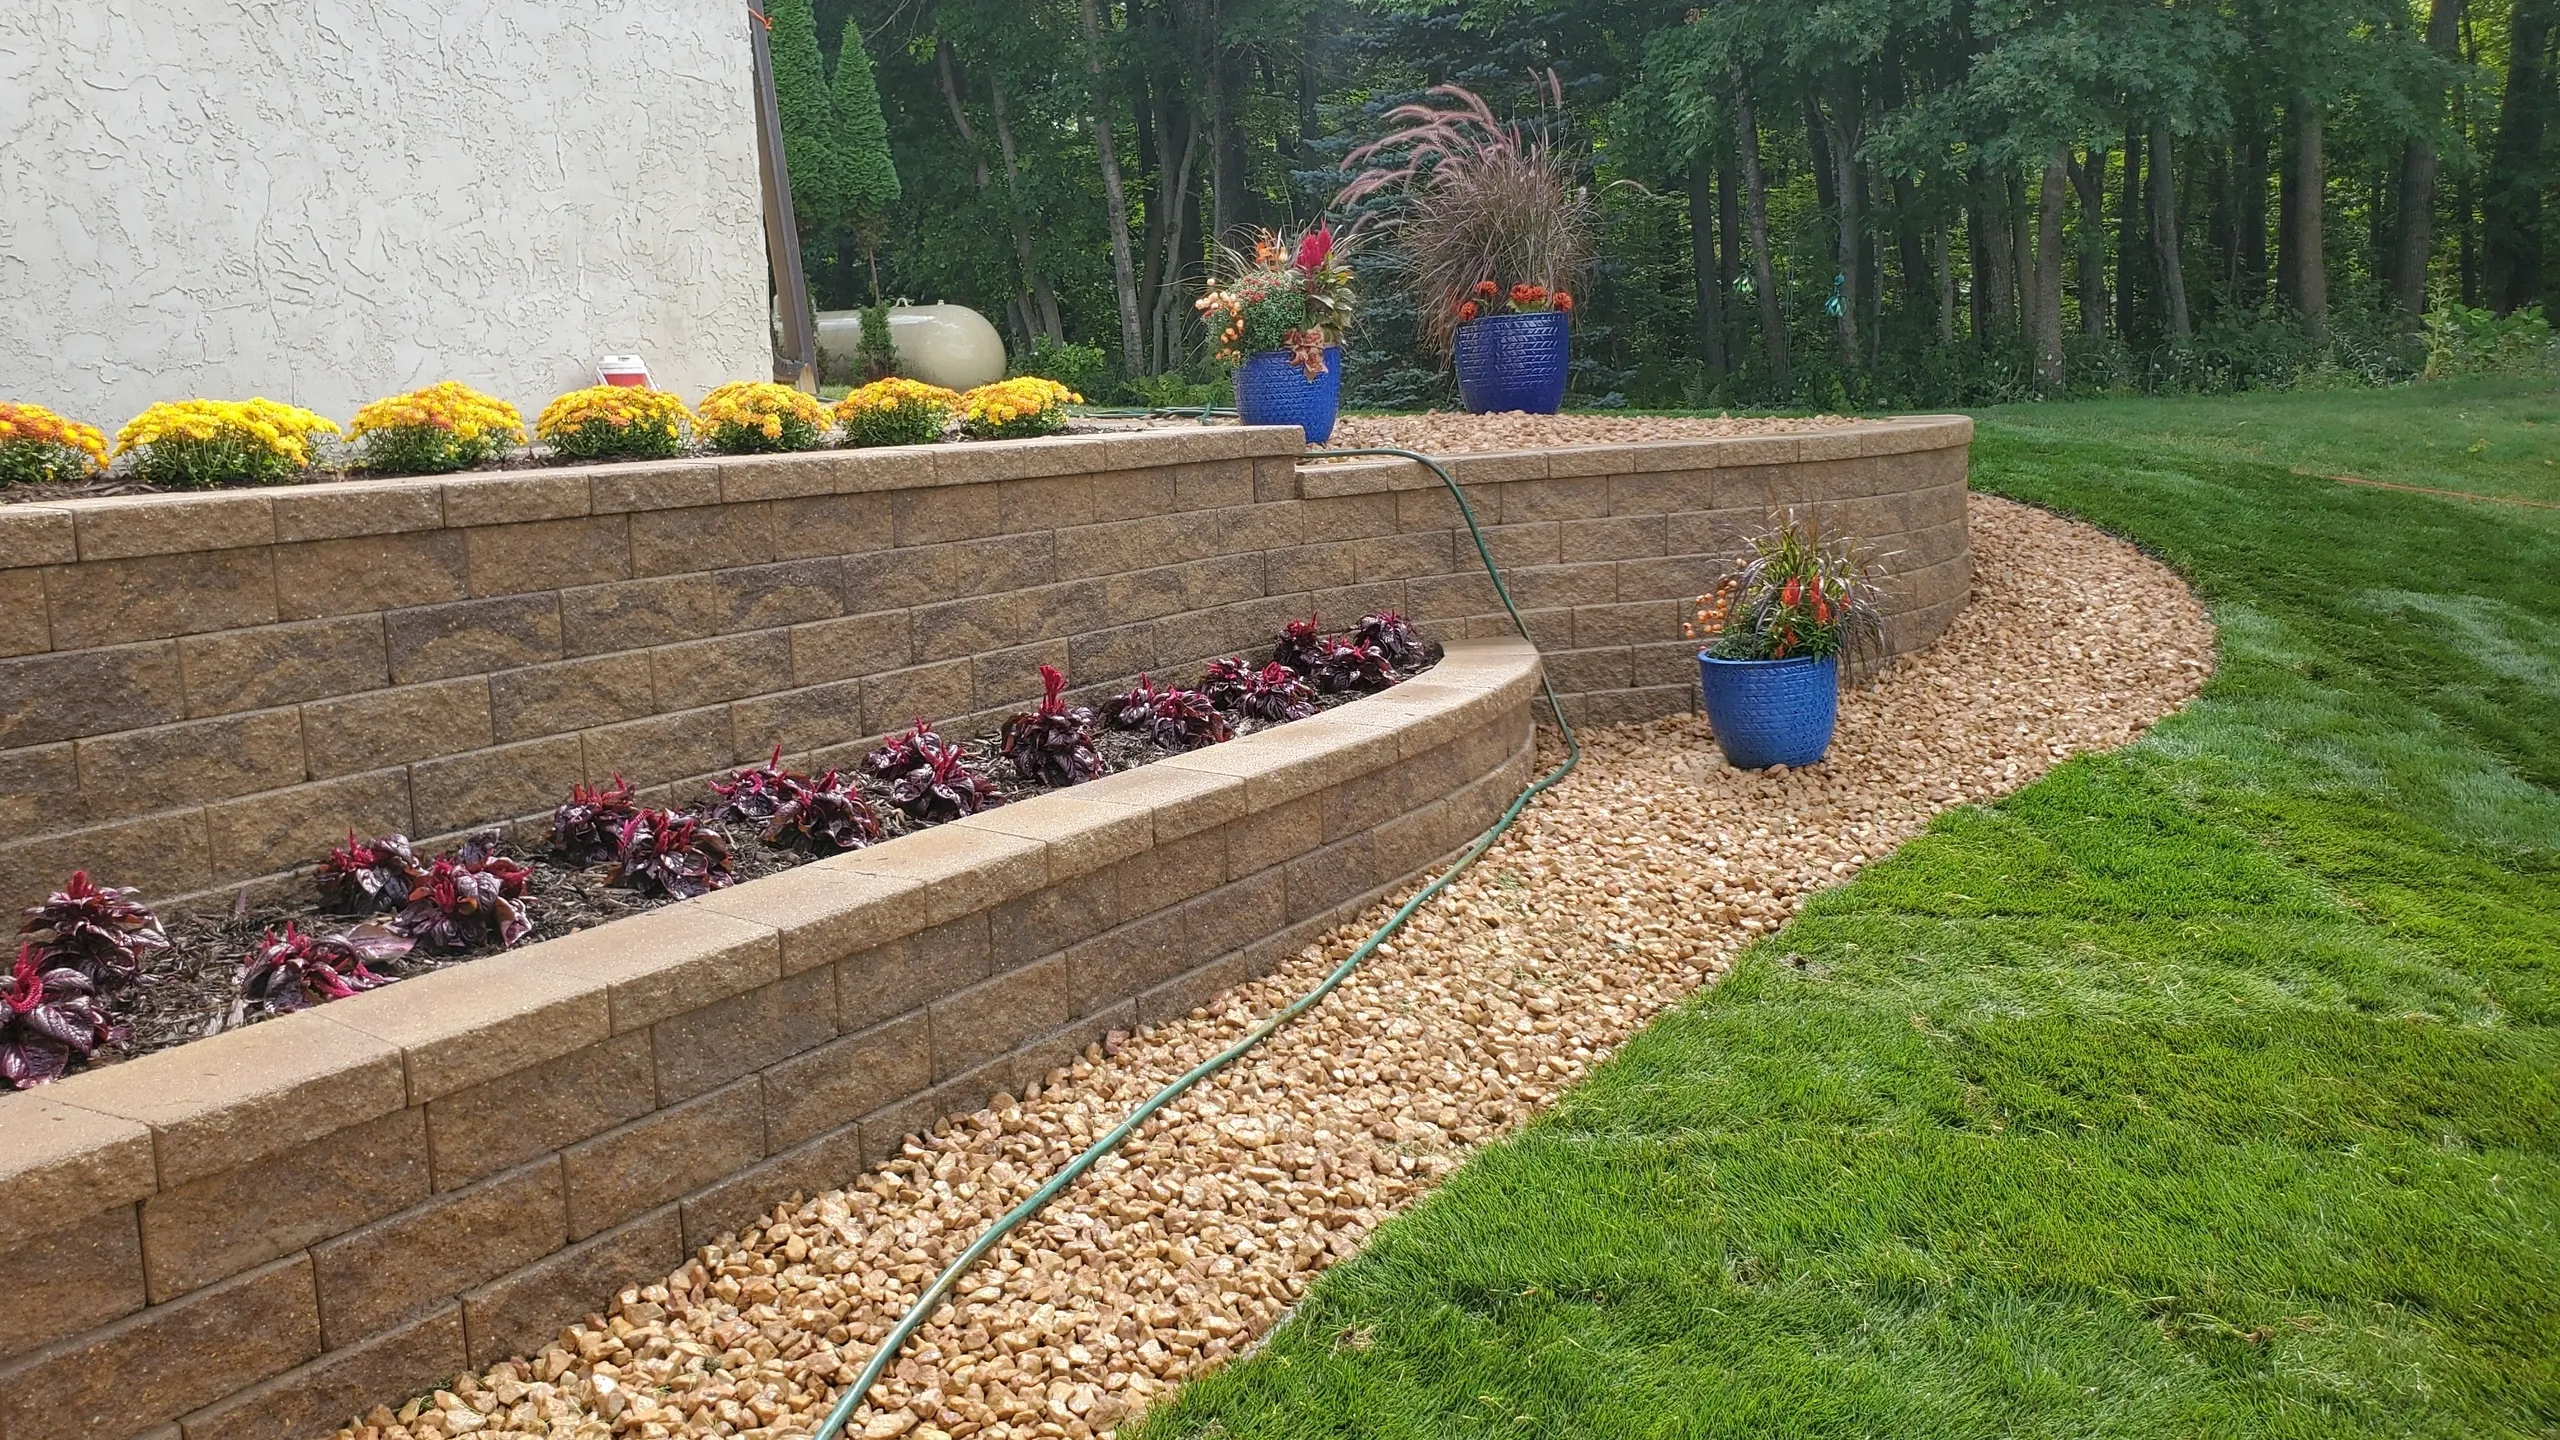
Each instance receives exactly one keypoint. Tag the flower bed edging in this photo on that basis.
(367, 1197)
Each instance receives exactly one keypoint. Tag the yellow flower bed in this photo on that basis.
(198, 444)
(607, 422)
(446, 426)
(38, 446)
(747, 416)
(1011, 409)
(896, 412)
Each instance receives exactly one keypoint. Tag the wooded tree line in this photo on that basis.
(1932, 201)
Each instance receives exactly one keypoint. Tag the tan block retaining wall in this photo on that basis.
(257, 1234)
(198, 691)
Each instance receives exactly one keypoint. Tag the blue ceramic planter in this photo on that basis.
(1514, 362)
(1272, 390)
(1771, 712)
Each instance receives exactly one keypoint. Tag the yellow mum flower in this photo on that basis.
(446, 426)
(896, 411)
(606, 422)
(746, 416)
(197, 444)
(37, 446)
(1025, 405)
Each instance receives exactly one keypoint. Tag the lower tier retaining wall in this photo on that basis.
(254, 1236)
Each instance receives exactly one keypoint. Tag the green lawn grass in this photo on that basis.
(2210, 1088)
(2483, 437)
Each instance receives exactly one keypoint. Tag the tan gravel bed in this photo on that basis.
(1620, 892)
(1437, 433)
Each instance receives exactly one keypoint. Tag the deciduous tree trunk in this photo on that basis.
(1849, 187)
(2129, 246)
(1115, 203)
(1773, 329)
(2302, 267)
(2511, 210)
(2164, 235)
(1995, 286)
(2089, 182)
(2249, 219)
(1702, 264)
(2045, 304)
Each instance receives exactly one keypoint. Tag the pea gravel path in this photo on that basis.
(1620, 892)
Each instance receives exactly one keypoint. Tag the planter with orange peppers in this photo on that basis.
(1512, 347)
(1774, 635)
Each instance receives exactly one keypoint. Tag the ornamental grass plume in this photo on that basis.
(1016, 409)
(444, 427)
(614, 422)
(753, 417)
(896, 411)
(38, 447)
(200, 444)
(1479, 197)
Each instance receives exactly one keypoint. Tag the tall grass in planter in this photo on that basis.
(1775, 633)
(1494, 224)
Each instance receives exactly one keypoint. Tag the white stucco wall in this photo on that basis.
(324, 201)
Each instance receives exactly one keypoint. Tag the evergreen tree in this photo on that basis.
(868, 175)
(862, 134)
(808, 123)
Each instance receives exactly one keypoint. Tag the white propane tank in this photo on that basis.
(948, 345)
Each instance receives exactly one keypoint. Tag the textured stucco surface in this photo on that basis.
(332, 200)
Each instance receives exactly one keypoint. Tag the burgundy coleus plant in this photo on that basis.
(1300, 645)
(930, 778)
(1185, 720)
(290, 971)
(49, 1017)
(1276, 693)
(1053, 741)
(1131, 708)
(468, 897)
(363, 877)
(750, 796)
(100, 931)
(1226, 681)
(903, 752)
(671, 853)
(1393, 636)
(1346, 666)
(587, 827)
(825, 815)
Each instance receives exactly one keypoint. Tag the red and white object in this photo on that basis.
(629, 371)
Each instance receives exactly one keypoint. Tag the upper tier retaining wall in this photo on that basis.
(205, 690)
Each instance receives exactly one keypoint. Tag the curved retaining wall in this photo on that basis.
(202, 691)
(260, 1233)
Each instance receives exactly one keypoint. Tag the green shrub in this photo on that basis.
(1081, 368)
(2464, 341)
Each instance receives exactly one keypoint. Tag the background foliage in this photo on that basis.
(1965, 202)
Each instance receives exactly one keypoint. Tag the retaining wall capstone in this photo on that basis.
(203, 691)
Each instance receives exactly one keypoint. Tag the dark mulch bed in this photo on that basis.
(192, 989)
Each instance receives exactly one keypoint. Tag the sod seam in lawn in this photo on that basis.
(2208, 1088)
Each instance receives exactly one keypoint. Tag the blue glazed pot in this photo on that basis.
(1771, 712)
(1514, 362)
(1272, 390)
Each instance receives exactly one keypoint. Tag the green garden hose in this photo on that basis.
(940, 1290)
